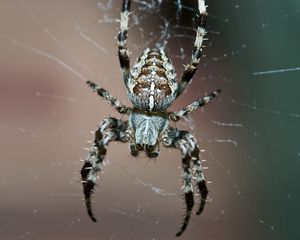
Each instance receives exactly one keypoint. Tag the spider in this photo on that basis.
(152, 87)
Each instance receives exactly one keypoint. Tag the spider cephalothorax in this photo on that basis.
(151, 87)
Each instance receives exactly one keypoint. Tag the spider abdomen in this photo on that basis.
(153, 81)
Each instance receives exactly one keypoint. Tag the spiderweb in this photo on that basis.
(249, 136)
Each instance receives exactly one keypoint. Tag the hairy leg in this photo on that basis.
(110, 129)
(115, 103)
(122, 38)
(198, 175)
(191, 68)
(176, 116)
(187, 144)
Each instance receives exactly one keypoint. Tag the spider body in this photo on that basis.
(152, 87)
(148, 129)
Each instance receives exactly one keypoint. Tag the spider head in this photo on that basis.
(153, 85)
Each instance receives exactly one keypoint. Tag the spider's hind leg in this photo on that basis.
(110, 129)
(191, 67)
(122, 38)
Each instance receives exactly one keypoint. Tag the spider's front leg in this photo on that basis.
(110, 129)
(191, 68)
(187, 144)
(122, 38)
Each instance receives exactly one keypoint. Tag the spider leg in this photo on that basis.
(122, 38)
(198, 174)
(188, 194)
(115, 103)
(110, 129)
(176, 116)
(187, 144)
(191, 68)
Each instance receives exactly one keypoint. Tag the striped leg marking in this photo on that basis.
(115, 103)
(122, 38)
(191, 68)
(110, 129)
(187, 144)
(198, 175)
(176, 116)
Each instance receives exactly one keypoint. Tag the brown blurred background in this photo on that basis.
(48, 49)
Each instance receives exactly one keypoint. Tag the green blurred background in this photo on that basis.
(250, 133)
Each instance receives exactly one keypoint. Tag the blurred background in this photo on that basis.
(249, 135)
